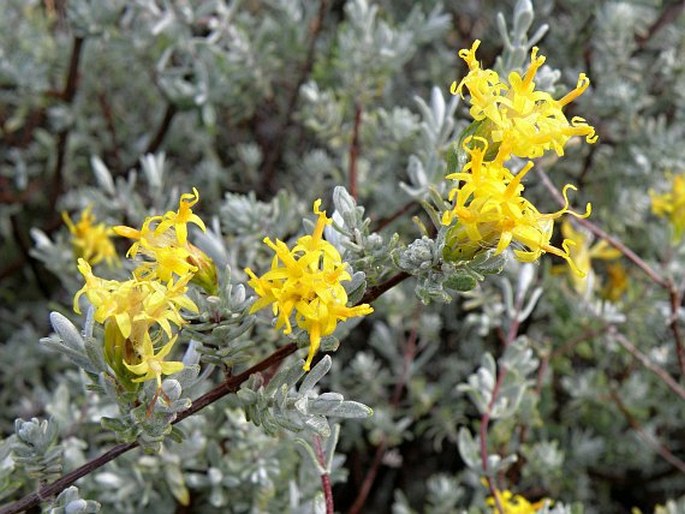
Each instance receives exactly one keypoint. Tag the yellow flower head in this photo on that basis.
(91, 241)
(514, 503)
(306, 282)
(135, 305)
(583, 254)
(129, 310)
(617, 282)
(180, 219)
(521, 120)
(163, 242)
(490, 212)
(671, 205)
(151, 365)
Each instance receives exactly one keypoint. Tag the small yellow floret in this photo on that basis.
(514, 503)
(583, 254)
(163, 242)
(152, 365)
(91, 241)
(522, 120)
(306, 282)
(490, 212)
(671, 205)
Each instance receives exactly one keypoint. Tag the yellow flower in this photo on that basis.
(152, 365)
(583, 254)
(135, 305)
(306, 282)
(163, 242)
(617, 282)
(514, 503)
(129, 310)
(490, 212)
(182, 217)
(91, 241)
(520, 120)
(671, 205)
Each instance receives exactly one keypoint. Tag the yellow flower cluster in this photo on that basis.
(671, 205)
(139, 314)
(512, 119)
(514, 503)
(521, 121)
(91, 241)
(163, 242)
(306, 281)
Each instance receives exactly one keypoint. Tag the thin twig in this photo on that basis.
(354, 152)
(229, 386)
(675, 301)
(613, 241)
(67, 95)
(268, 169)
(668, 15)
(664, 452)
(325, 477)
(384, 222)
(370, 477)
(374, 292)
(665, 377)
(507, 339)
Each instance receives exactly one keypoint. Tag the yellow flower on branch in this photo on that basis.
(490, 212)
(130, 310)
(180, 219)
(306, 282)
(519, 119)
(514, 503)
(583, 254)
(151, 365)
(91, 241)
(671, 205)
(163, 242)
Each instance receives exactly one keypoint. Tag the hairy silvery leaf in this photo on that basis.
(102, 175)
(469, 450)
(481, 383)
(69, 342)
(35, 448)
(69, 502)
(332, 404)
(518, 357)
(316, 374)
(507, 400)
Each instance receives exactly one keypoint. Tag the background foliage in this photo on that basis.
(265, 106)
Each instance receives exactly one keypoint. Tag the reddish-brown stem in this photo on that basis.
(663, 452)
(675, 299)
(668, 15)
(231, 385)
(613, 241)
(370, 477)
(325, 477)
(374, 292)
(275, 150)
(354, 152)
(162, 129)
(67, 95)
(665, 377)
(384, 222)
(507, 339)
(674, 295)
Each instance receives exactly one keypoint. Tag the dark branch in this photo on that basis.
(231, 385)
